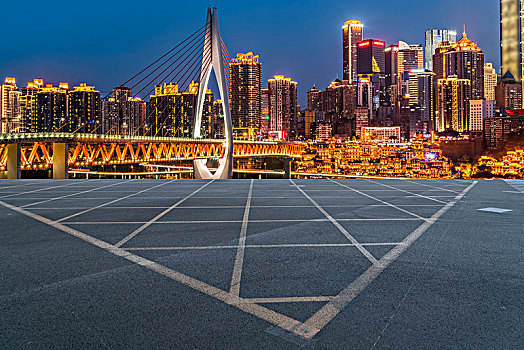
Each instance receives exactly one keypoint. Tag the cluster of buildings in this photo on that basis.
(418, 159)
(511, 165)
(401, 90)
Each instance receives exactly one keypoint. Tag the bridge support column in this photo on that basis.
(60, 161)
(287, 168)
(13, 161)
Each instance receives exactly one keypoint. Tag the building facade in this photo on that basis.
(511, 37)
(10, 118)
(433, 38)
(282, 105)
(123, 114)
(452, 104)
(490, 82)
(352, 34)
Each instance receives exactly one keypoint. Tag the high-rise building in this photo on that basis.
(439, 59)
(10, 119)
(123, 114)
(479, 111)
(282, 105)
(452, 104)
(314, 99)
(511, 37)
(508, 92)
(352, 34)
(244, 92)
(490, 82)
(52, 110)
(391, 60)
(265, 117)
(433, 38)
(172, 111)
(371, 57)
(466, 61)
(28, 104)
(422, 95)
(409, 57)
(84, 108)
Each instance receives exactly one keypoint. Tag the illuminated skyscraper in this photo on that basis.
(409, 57)
(422, 95)
(452, 104)
(433, 38)
(84, 108)
(352, 34)
(123, 114)
(371, 57)
(439, 59)
(52, 111)
(10, 106)
(282, 104)
(490, 82)
(314, 99)
(508, 92)
(28, 104)
(511, 37)
(244, 91)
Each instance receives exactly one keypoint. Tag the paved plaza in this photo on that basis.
(269, 264)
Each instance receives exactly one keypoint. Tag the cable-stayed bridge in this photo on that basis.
(176, 127)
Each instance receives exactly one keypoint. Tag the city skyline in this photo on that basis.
(318, 39)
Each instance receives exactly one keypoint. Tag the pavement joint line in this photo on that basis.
(273, 317)
(229, 221)
(239, 259)
(73, 194)
(147, 224)
(363, 250)
(23, 185)
(414, 194)
(40, 190)
(111, 202)
(254, 246)
(329, 311)
(434, 187)
(379, 200)
(276, 300)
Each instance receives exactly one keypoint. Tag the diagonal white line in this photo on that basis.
(239, 260)
(42, 189)
(412, 193)
(323, 316)
(287, 300)
(379, 200)
(113, 201)
(359, 246)
(74, 194)
(256, 310)
(431, 186)
(27, 184)
(156, 218)
(305, 245)
(226, 221)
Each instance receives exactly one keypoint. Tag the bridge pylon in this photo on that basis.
(212, 60)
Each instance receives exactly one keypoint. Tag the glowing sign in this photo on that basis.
(379, 43)
(364, 44)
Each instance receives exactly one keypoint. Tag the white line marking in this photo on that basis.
(495, 210)
(259, 311)
(323, 316)
(147, 224)
(239, 260)
(287, 300)
(253, 246)
(74, 194)
(380, 200)
(412, 193)
(40, 190)
(363, 250)
(113, 201)
(435, 187)
(227, 221)
(253, 206)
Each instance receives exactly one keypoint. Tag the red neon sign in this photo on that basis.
(379, 43)
(364, 44)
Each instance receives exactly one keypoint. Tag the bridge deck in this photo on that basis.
(268, 264)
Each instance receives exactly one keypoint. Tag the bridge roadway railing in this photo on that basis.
(58, 151)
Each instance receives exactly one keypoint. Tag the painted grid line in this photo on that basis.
(412, 193)
(363, 250)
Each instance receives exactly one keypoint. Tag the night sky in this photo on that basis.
(106, 42)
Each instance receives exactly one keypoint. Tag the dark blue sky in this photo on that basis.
(105, 42)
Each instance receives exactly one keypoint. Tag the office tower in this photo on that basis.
(362, 117)
(433, 38)
(508, 92)
(422, 95)
(439, 59)
(511, 37)
(282, 105)
(371, 57)
(490, 82)
(10, 106)
(391, 63)
(244, 91)
(352, 34)
(218, 120)
(264, 106)
(309, 121)
(314, 99)
(479, 111)
(409, 57)
(466, 61)
(452, 104)
(173, 111)
(84, 108)
(123, 114)
(28, 104)
(52, 110)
